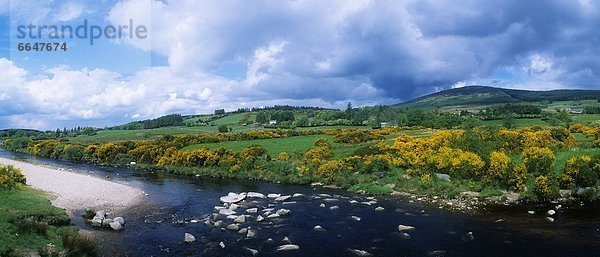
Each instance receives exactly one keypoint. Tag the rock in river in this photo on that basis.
(120, 220)
(255, 195)
(240, 219)
(226, 212)
(361, 253)
(189, 238)
(379, 209)
(551, 212)
(233, 198)
(260, 218)
(251, 234)
(97, 221)
(283, 198)
(283, 212)
(468, 237)
(233, 227)
(116, 226)
(318, 228)
(273, 195)
(288, 247)
(106, 222)
(405, 228)
(252, 251)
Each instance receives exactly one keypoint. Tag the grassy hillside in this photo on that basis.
(480, 95)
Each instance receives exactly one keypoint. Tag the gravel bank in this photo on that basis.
(72, 191)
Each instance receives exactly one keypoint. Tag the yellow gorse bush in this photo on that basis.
(11, 177)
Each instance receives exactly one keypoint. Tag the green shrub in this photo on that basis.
(223, 128)
(11, 177)
(580, 171)
(77, 245)
(538, 161)
(544, 188)
(88, 214)
(31, 225)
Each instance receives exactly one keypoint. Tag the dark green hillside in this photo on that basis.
(481, 95)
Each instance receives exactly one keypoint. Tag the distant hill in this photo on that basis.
(481, 95)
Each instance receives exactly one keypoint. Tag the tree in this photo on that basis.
(302, 121)
(223, 128)
(508, 121)
(349, 111)
(262, 118)
(564, 116)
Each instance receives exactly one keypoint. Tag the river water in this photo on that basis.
(157, 227)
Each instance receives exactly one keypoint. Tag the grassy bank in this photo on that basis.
(30, 224)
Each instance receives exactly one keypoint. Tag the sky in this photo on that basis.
(199, 56)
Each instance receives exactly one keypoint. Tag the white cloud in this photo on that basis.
(307, 53)
(68, 11)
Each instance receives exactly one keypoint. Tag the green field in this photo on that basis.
(519, 123)
(563, 156)
(15, 204)
(301, 144)
(292, 145)
(588, 118)
(141, 134)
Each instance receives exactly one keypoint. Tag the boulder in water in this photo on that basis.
(97, 221)
(120, 220)
(226, 212)
(318, 228)
(283, 198)
(233, 198)
(405, 228)
(116, 226)
(233, 227)
(255, 195)
(251, 234)
(468, 237)
(379, 208)
(288, 247)
(283, 212)
(101, 214)
(273, 195)
(361, 253)
(260, 218)
(106, 222)
(240, 219)
(189, 238)
(252, 251)
(252, 210)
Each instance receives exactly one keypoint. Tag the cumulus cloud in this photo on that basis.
(317, 53)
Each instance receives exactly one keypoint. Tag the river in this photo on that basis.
(157, 228)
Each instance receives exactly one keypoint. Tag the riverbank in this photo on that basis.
(72, 191)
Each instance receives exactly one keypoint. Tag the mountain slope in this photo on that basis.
(481, 95)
